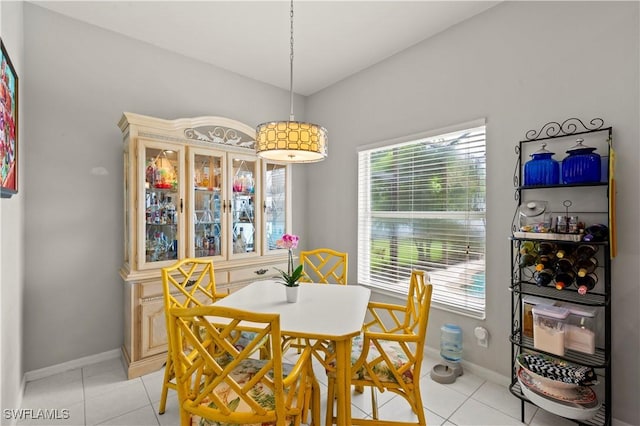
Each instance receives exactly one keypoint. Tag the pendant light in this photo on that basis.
(291, 141)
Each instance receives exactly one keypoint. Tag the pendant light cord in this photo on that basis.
(291, 117)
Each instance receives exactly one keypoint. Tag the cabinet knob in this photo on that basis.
(261, 271)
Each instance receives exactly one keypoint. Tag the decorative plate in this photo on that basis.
(579, 403)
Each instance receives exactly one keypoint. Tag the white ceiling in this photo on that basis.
(332, 39)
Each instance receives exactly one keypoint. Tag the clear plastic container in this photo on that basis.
(451, 342)
(580, 330)
(528, 302)
(549, 328)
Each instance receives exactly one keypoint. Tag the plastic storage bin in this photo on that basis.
(549, 328)
(580, 330)
(528, 302)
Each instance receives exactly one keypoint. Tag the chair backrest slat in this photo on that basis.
(324, 265)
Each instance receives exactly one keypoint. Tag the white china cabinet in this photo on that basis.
(194, 188)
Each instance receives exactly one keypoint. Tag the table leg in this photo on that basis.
(343, 382)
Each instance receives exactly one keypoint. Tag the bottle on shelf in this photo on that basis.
(170, 208)
(586, 266)
(586, 283)
(564, 279)
(564, 251)
(564, 264)
(547, 249)
(239, 246)
(543, 277)
(585, 251)
(528, 254)
(544, 262)
(527, 259)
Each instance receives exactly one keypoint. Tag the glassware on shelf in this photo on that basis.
(582, 165)
(207, 215)
(239, 245)
(542, 169)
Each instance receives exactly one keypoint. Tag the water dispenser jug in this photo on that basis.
(451, 343)
(451, 352)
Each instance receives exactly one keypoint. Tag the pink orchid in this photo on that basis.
(288, 241)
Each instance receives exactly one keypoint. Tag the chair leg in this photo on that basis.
(330, 400)
(418, 406)
(165, 389)
(374, 403)
(185, 417)
(315, 407)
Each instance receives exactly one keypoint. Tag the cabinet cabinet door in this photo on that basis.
(153, 330)
(276, 202)
(244, 217)
(160, 204)
(207, 189)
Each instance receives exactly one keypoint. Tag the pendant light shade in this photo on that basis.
(291, 141)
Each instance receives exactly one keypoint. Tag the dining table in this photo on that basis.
(323, 313)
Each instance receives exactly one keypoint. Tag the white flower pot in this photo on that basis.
(292, 294)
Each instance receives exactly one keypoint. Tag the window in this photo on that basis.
(422, 205)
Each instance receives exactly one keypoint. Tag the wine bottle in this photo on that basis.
(586, 283)
(564, 251)
(527, 259)
(585, 251)
(528, 247)
(547, 249)
(544, 277)
(564, 279)
(586, 266)
(544, 262)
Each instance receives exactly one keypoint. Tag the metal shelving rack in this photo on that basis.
(521, 285)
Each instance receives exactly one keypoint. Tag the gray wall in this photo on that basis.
(78, 81)
(520, 65)
(12, 244)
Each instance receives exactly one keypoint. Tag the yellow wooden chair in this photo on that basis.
(187, 283)
(388, 354)
(324, 265)
(221, 384)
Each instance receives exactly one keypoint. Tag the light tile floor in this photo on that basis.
(100, 394)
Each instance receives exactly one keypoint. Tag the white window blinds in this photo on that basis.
(421, 205)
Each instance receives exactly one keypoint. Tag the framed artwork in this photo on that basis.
(8, 126)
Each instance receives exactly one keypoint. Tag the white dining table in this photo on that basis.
(323, 312)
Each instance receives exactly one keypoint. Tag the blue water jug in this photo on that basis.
(542, 169)
(451, 342)
(582, 165)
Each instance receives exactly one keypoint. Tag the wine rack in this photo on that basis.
(593, 203)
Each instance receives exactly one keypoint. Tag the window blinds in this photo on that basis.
(421, 205)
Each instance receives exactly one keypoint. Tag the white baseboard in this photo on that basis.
(70, 365)
(485, 373)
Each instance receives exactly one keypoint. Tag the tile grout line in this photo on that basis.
(84, 398)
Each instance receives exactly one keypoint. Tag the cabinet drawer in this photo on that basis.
(253, 272)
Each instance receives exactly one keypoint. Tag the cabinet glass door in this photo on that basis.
(242, 205)
(274, 205)
(206, 223)
(162, 231)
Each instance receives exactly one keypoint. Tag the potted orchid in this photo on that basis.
(291, 278)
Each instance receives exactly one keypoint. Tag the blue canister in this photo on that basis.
(542, 169)
(582, 165)
(451, 342)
